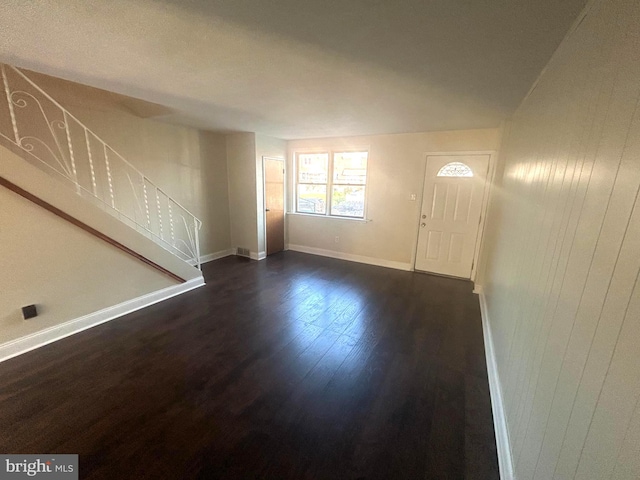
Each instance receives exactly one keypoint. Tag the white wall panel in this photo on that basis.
(561, 257)
(628, 462)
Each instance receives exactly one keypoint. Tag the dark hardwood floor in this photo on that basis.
(298, 367)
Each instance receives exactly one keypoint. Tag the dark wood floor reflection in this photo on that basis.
(296, 367)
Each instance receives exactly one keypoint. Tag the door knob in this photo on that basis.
(424, 216)
(423, 224)
(267, 209)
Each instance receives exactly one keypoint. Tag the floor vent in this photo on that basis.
(243, 252)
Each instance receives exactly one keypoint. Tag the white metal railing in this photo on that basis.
(55, 139)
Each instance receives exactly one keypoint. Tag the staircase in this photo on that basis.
(48, 136)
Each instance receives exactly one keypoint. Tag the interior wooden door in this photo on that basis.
(274, 204)
(451, 207)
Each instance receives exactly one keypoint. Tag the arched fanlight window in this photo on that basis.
(455, 169)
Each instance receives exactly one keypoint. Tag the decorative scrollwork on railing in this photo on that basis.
(27, 144)
(59, 124)
(134, 193)
(20, 102)
(66, 147)
(189, 246)
(59, 157)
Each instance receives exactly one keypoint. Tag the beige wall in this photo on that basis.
(396, 169)
(561, 258)
(189, 164)
(241, 167)
(246, 187)
(61, 195)
(46, 261)
(215, 205)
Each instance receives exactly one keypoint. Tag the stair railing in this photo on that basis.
(55, 139)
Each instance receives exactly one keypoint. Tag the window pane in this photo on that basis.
(350, 168)
(455, 169)
(313, 167)
(312, 199)
(347, 201)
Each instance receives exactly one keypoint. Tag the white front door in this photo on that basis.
(451, 207)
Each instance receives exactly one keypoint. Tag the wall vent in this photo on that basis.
(243, 252)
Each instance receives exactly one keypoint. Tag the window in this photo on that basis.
(455, 169)
(331, 183)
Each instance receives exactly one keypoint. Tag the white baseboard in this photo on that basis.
(505, 460)
(252, 255)
(35, 340)
(216, 255)
(258, 255)
(210, 257)
(351, 257)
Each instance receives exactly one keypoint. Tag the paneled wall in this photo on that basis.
(561, 258)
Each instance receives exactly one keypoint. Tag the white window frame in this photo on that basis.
(330, 152)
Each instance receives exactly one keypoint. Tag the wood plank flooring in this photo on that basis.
(295, 367)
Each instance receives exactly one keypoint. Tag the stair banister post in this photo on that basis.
(71, 156)
(91, 168)
(109, 179)
(10, 103)
(173, 236)
(197, 240)
(146, 201)
(159, 213)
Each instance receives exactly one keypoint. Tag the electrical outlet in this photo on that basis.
(337, 239)
(413, 197)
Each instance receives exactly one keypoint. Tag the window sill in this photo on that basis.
(361, 220)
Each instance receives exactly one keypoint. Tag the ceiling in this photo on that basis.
(297, 68)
